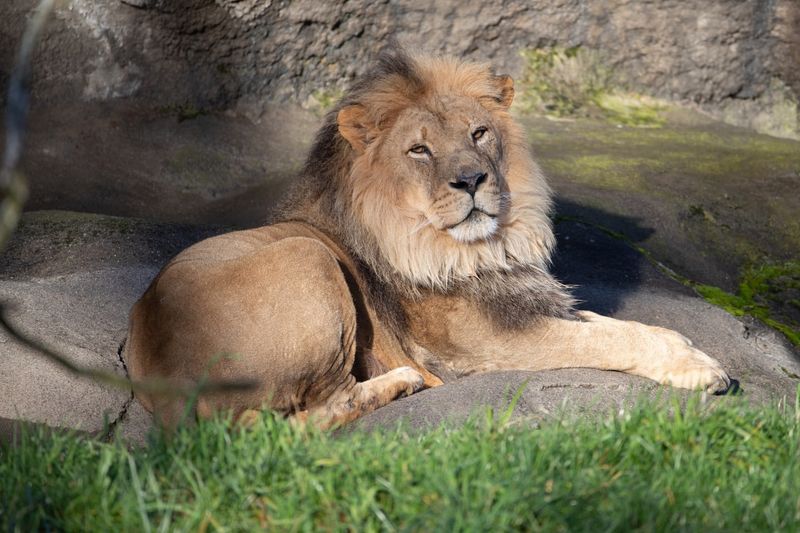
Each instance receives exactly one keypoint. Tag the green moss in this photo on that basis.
(321, 100)
(757, 284)
(631, 109)
(603, 170)
(728, 190)
(733, 304)
(182, 112)
(328, 99)
(575, 82)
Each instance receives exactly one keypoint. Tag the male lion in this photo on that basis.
(415, 247)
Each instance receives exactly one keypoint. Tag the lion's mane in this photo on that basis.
(337, 193)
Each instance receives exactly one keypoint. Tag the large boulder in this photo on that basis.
(71, 278)
(68, 280)
(731, 57)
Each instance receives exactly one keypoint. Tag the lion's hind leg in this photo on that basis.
(295, 335)
(363, 398)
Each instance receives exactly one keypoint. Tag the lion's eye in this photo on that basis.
(477, 134)
(420, 149)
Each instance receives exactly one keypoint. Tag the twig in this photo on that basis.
(12, 183)
(152, 386)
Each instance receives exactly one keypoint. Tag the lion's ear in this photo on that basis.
(505, 86)
(355, 126)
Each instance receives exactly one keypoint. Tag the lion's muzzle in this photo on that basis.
(469, 181)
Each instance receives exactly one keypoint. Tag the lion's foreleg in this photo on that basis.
(605, 343)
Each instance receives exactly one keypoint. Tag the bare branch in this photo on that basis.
(19, 94)
(159, 387)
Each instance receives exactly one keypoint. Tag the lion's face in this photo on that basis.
(437, 175)
(447, 156)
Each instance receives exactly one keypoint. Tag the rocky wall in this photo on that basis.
(724, 55)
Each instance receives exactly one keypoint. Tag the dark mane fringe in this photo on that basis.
(511, 299)
(388, 64)
(330, 157)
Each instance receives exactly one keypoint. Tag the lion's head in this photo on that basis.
(426, 176)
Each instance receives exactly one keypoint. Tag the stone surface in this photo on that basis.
(116, 160)
(128, 124)
(706, 198)
(82, 315)
(69, 280)
(202, 53)
(73, 278)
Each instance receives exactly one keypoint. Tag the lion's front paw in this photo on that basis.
(685, 366)
(660, 354)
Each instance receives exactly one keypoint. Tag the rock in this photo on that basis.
(73, 278)
(140, 3)
(170, 121)
(705, 198)
(82, 315)
(158, 164)
(613, 279)
(69, 280)
(722, 55)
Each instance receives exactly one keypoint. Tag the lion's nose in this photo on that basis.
(469, 181)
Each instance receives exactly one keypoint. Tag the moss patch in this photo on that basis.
(182, 112)
(575, 82)
(768, 292)
(603, 170)
(717, 194)
(321, 100)
(631, 109)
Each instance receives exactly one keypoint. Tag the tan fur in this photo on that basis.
(425, 255)
(414, 247)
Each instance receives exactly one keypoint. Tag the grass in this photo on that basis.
(730, 468)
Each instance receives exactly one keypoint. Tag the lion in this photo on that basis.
(414, 248)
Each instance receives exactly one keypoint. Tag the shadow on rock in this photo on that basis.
(602, 269)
